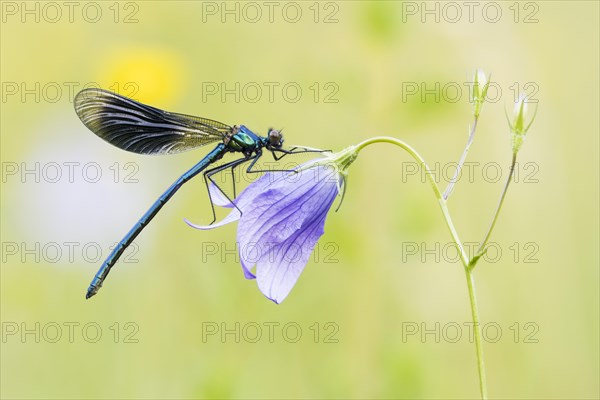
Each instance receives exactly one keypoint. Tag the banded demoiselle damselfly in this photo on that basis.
(142, 129)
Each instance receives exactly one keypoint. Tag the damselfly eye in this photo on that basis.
(275, 138)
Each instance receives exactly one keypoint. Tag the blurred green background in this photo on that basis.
(146, 335)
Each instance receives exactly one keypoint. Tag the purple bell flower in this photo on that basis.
(283, 215)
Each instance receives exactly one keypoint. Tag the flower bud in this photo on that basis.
(520, 122)
(481, 84)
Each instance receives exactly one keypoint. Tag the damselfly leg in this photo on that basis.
(208, 175)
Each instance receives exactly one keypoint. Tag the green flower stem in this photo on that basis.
(410, 150)
(463, 255)
(436, 190)
(481, 249)
(463, 157)
(477, 333)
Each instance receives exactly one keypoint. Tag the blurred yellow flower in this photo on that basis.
(151, 75)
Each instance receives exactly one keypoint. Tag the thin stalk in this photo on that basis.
(463, 255)
(491, 228)
(463, 157)
(477, 332)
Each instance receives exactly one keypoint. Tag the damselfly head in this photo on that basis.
(275, 138)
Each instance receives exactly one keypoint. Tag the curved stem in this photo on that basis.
(463, 255)
(436, 190)
(409, 150)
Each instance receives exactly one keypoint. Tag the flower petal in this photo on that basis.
(217, 196)
(279, 269)
(234, 215)
(279, 232)
(247, 272)
(242, 201)
(282, 218)
(284, 203)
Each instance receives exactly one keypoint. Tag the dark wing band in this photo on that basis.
(142, 129)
